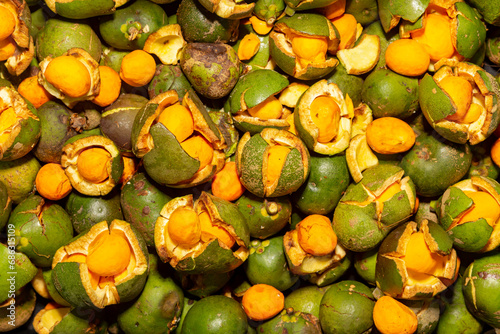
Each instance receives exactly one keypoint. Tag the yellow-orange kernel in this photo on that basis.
(325, 113)
(389, 135)
(418, 257)
(130, 166)
(393, 317)
(68, 75)
(270, 108)
(261, 27)
(347, 27)
(184, 227)
(111, 84)
(226, 183)
(276, 157)
(436, 36)
(52, 183)
(473, 114)
(407, 57)
(8, 118)
(460, 92)
(290, 121)
(316, 235)
(485, 206)
(249, 46)
(387, 194)
(137, 68)
(93, 164)
(333, 10)
(262, 302)
(495, 152)
(109, 255)
(32, 91)
(178, 120)
(77, 257)
(309, 49)
(53, 315)
(7, 48)
(209, 230)
(8, 23)
(199, 148)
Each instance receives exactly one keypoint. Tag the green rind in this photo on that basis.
(408, 10)
(18, 271)
(471, 31)
(19, 177)
(252, 157)
(82, 9)
(67, 281)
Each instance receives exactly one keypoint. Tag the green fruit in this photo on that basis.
(72, 278)
(327, 181)
(390, 12)
(390, 94)
(447, 162)
(212, 68)
(349, 84)
(479, 286)
(158, 308)
(470, 35)
(81, 9)
(291, 321)
(200, 25)
(364, 263)
(5, 205)
(209, 254)
(215, 314)
(112, 58)
(58, 36)
(18, 269)
(168, 77)
(40, 228)
(19, 177)
(267, 264)
(129, 26)
(490, 10)
(141, 201)
(333, 273)
(359, 220)
(347, 307)
(306, 299)
(365, 11)
(269, 10)
(73, 320)
(203, 285)
(265, 216)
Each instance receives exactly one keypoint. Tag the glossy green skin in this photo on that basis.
(188, 303)
(200, 25)
(40, 231)
(267, 264)
(158, 308)
(215, 314)
(456, 318)
(357, 227)
(47, 277)
(256, 86)
(19, 177)
(86, 211)
(408, 10)
(168, 77)
(289, 321)
(25, 305)
(365, 263)
(81, 9)
(490, 10)
(81, 322)
(365, 11)
(269, 10)
(203, 285)
(327, 181)
(260, 223)
(112, 58)
(347, 307)
(298, 5)
(58, 35)
(56, 129)
(434, 164)
(306, 299)
(118, 119)
(67, 281)
(213, 69)
(261, 58)
(349, 84)
(18, 270)
(480, 286)
(142, 200)
(471, 31)
(390, 94)
(116, 28)
(5, 206)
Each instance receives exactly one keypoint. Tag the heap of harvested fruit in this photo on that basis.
(265, 166)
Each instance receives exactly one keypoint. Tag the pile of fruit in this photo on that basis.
(269, 166)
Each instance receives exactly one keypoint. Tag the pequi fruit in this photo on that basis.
(272, 163)
(179, 143)
(80, 9)
(103, 266)
(208, 235)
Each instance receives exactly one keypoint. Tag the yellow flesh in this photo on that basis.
(316, 235)
(325, 113)
(309, 49)
(209, 230)
(276, 159)
(420, 261)
(393, 317)
(460, 91)
(8, 23)
(93, 164)
(69, 75)
(110, 255)
(184, 227)
(199, 148)
(178, 120)
(270, 108)
(485, 206)
(249, 46)
(52, 317)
